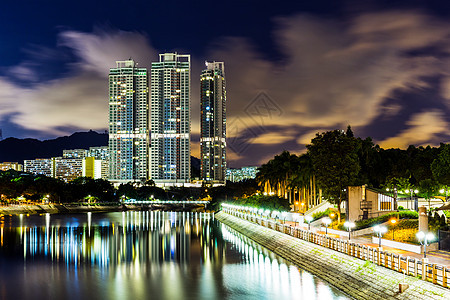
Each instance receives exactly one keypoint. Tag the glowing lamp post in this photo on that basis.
(309, 219)
(326, 222)
(380, 230)
(425, 239)
(393, 222)
(284, 214)
(349, 225)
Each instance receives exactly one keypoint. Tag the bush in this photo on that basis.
(404, 231)
(404, 214)
(265, 202)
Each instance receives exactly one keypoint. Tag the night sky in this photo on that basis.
(293, 68)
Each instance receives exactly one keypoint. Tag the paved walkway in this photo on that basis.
(358, 278)
(435, 257)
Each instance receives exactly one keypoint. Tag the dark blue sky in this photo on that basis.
(381, 66)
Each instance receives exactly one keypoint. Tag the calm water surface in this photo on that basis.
(143, 255)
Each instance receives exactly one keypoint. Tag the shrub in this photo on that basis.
(265, 202)
(404, 214)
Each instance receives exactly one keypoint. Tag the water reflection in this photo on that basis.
(136, 254)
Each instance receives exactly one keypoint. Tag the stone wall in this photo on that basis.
(358, 278)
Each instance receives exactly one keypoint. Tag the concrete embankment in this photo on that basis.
(358, 278)
(55, 208)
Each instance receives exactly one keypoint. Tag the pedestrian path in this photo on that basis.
(435, 256)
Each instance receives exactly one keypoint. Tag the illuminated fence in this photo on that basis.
(438, 274)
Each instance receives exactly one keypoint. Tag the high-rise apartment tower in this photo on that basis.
(170, 155)
(213, 123)
(128, 122)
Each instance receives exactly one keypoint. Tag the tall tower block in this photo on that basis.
(213, 123)
(128, 123)
(170, 154)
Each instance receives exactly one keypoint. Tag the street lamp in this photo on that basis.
(380, 230)
(284, 214)
(326, 221)
(393, 221)
(424, 239)
(349, 225)
(309, 219)
(275, 215)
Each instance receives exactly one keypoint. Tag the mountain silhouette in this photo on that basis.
(18, 150)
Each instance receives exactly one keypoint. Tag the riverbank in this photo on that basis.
(358, 278)
(56, 208)
(75, 208)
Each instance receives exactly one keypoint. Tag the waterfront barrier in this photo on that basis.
(435, 273)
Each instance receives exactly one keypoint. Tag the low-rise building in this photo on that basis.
(5, 166)
(68, 169)
(365, 202)
(75, 153)
(95, 168)
(101, 153)
(236, 175)
(40, 166)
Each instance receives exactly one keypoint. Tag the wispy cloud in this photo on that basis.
(332, 74)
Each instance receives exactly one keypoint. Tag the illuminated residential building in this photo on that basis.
(75, 153)
(5, 166)
(128, 122)
(67, 169)
(99, 152)
(95, 168)
(213, 123)
(236, 175)
(170, 157)
(40, 166)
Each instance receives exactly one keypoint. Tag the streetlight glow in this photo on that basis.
(425, 239)
(379, 230)
(349, 225)
(326, 221)
(309, 219)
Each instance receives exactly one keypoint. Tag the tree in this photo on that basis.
(335, 163)
(428, 188)
(441, 165)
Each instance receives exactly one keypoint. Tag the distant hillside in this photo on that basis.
(17, 150)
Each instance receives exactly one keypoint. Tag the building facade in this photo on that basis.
(170, 155)
(128, 122)
(67, 169)
(40, 166)
(213, 123)
(75, 153)
(5, 166)
(236, 175)
(95, 168)
(101, 153)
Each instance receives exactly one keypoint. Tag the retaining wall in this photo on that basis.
(358, 278)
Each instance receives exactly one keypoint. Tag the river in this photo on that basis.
(143, 255)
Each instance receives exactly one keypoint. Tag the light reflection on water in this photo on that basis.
(143, 255)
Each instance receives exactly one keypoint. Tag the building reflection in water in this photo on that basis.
(136, 253)
(140, 237)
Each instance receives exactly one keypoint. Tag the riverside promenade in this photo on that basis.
(359, 278)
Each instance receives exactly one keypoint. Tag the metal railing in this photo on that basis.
(437, 274)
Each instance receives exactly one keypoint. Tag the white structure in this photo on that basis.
(128, 122)
(170, 155)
